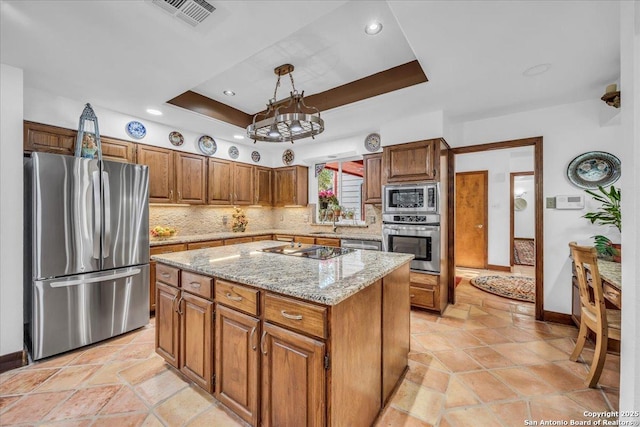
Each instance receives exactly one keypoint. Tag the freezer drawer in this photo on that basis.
(75, 311)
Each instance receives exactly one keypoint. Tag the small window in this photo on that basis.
(340, 192)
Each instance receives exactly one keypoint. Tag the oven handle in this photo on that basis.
(411, 227)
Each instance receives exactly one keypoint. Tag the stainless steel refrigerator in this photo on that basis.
(86, 251)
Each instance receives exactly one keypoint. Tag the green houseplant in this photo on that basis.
(607, 214)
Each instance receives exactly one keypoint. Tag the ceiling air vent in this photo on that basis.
(193, 12)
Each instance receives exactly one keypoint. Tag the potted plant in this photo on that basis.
(608, 213)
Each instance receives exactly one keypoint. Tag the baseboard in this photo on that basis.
(555, 317)
(13, 360)
(498, 267)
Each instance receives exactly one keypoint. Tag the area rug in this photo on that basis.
(514, 287)
(524, 252)
(458, 280)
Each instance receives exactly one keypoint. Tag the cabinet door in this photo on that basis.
(196, 340)
(263, 188)
(48, 139)
(242, 184)
(373, 178)
(167, 323)
(219, 186)
(293, 379)
(118, 150)
(161, 173)
(237, 362)
(414, 161)
(191, 181)
(291, 186)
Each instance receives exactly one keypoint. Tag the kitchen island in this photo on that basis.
(286, 340)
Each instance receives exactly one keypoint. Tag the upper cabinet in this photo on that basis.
(263, 186)
(118, 150)
(373, 178)
(161, 173)
(230, 183)
(291, 186)
(191, 178)
(414, 161)
(48, 139)
(243, 184)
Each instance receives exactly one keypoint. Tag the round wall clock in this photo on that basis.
(372, 142)
(593, 169)
(233, 152)
(288, 156)
(136, 130)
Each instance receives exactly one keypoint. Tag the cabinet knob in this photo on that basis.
(232, 298)
(291, 316)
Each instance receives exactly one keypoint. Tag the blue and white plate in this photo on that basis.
(136, 130)
(207, 145)
(233, 152)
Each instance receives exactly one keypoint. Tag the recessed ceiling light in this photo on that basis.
(238, 136)
(229, 93)
(154, 112)
(373, 28)
(536, 70)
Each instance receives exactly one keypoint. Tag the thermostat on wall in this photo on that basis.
(570, 202)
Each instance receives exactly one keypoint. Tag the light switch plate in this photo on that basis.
(551, 202)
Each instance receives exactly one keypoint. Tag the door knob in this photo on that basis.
(479, 226)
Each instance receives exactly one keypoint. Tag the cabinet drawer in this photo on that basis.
(297, 315)
(238, 296)
(328, 242)
(197, 284)
(168, 275)
(237, 240)
(202, 245)
(265, 237)
(612, 294)
(304, 239)
(423, 280)
(423, 297)
(165, 249)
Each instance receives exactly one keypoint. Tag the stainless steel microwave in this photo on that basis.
(411, 198)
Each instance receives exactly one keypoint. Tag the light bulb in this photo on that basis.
(274, 132)
(295, 126)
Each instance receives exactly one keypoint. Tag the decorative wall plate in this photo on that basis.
(589, 170)
(288, 156)
(207, 145)
(372, 142)
(176, 138)
(136, 130)
(233, 152)
(255, 156)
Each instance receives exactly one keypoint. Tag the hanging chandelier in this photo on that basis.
(287, 120)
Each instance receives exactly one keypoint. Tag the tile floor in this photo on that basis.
(486, 362)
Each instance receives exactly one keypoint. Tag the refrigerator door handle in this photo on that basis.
(97, 225)
(101, 278)
(106, 243)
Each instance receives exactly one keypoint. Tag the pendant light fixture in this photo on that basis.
(286, 120)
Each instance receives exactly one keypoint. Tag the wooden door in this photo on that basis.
(161, 172)
(471, 209)
(293, 379)
(243, 184)
(196, 341)
(220, 185)
(263, 186)
(373, 178)
(48, 139)
(191, 181)
(167, 323)
(237, 362)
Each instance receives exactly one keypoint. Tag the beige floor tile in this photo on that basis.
(517, 334)
(527, 322)
(457, 361)
(100, 354)
(85, 422)
(68, 378)
(394, 418)
(428, 360)
(472, 324)
(33, 407)
(217, 417)
(487, 387)
(143, 370)
(498, 305)
(477, 417)
(26, 381)
(488, 357)
(518, 354)
(418, 401)
(546, 351)
(591, 400)
(183, 406)
(152, 421)
(415, 346)
(489, 336)
(128, 420)
(512, 413)
(556, 407)
(160, 387)
(124, 339)
(564, 330)
(523, 381)
(427, 377)
(145, 335)
(449, 324)
(565, 344)
(458, 313)
(142, 350)
(108, 374)
(419, 325)
(7, 401)
(433, 342)
(502, 314)
(124, 401)
(57, 361)
(459, 395)
(475, 311)
(613, 396)
(462, 339)
(83, 403)
(557, 377)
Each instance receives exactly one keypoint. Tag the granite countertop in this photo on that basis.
(611, 272)
(322, 281)
(229, 235)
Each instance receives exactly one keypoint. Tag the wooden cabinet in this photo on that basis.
(372, 178)
(167, 323)
(325, 241)
(207, 244)
(263, 186)
(237, 361)
(304, 239)
(156, 250)
(414, 161)
(161, 172)
(191, 178)
(428, 291)
(293, 379)
(230, 183)
(196, 339)
(236, 240)
(264, 237)
(48, 139)
(291, 186)
(118, 150)
(243, 182)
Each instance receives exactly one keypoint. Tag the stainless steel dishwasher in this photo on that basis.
(361, 244)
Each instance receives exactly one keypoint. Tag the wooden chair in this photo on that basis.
(594, 315)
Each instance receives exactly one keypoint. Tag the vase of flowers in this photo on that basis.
(239, 220)
(326, 198)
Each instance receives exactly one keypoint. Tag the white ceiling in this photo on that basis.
(128, 55)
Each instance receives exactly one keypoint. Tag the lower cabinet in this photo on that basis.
(293, 378)
(167, 323)
(428, 291)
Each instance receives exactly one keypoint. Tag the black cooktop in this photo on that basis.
(308, 251)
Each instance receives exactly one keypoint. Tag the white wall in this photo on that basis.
(11, 208)
(524, 223)
(499, 164)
